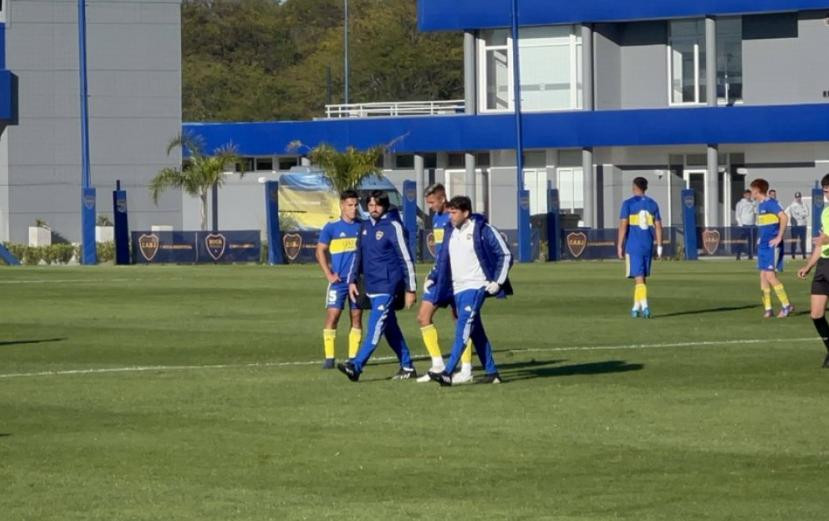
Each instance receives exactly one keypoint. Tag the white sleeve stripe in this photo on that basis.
(401, 240)
(502, 277)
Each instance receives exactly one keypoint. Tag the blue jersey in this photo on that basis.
(768, 221)
(439, 222)
(341, 239)
(641, 213)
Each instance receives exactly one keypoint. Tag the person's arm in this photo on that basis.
(496, 244)
(620, 244)
(784, 221)
(322, 260)
(356, 268)
(405, 257)
(658, 228)
(737, 211)
(804, 271)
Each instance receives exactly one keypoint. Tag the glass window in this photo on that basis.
(264, 163)
(550, 69)
(686, 51)
(404, 161)
(286, 163)
(730, 60)
(571, 190)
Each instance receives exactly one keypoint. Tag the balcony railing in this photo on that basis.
(396, 108)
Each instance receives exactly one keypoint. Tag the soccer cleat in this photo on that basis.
(442, 378)
(493, 378)
(768, 314)
(786, 311)
(426, 378)
(350, 371)
(646, 313)
(634, 313)
(328, 363)
(405, 373)
(462, 378)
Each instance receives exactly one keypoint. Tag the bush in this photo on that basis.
(54, 254)
(106, 251)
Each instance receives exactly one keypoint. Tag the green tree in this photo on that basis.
(346, 170)
(198, 173)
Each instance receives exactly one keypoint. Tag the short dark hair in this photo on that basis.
(436, 188)
(349, 194)
(641, 183)
(380, 198)
(761, 185)
(825, 181)
(747, 191)
(460, 202)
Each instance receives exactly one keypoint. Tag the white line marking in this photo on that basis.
(142, 369)
(63, 281)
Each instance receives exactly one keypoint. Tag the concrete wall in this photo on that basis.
(644, 65)
(134, 56)
(607, 67)
(785, 58)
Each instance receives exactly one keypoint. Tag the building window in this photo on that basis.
(729, 60)
(404, 161)
(244, 164)
(551, 65)
(286, 163)
(686, 57)
(264, 164)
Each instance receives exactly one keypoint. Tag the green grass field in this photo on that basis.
(194, 393)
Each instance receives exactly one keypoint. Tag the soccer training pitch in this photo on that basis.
(195, 393)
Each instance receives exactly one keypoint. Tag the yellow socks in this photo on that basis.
(640, 296)
(767, 299)
(430, 340)
(355, 336)
(466, 357)
(781, 295)
(329, 336)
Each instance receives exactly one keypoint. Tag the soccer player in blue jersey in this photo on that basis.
(383, 263)
(335, 252)
(639, 225)
(771, 224)
(436, 200)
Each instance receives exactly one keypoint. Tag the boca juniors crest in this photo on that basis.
(293, 245)
(215, 243)
(688, 200)
(89, 201)
(148, 246)
(431, 244)
(711, 241)
(577, 243)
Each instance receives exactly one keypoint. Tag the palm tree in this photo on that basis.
(345, 170)
(198, 174)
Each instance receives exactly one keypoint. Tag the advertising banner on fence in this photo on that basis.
(727, 241)
(590, 244)
(196, 247)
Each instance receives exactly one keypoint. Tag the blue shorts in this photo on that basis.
(769, 259)
(638, 265)
(337, 295)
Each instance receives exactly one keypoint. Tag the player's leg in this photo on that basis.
(636, 310)
(394, 336)
(381, 305)
(355, 336)
(641, 296)
(335, 302)
(464, 376)
(820, 290)
(765, 288)
(484, 350)
(786, 306)
(465, 304)
(425, 317)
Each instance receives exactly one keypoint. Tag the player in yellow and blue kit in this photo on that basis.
(436, 200)
(639, 225)
(771, 223)
(338, 240)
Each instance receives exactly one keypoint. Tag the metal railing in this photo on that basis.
(395, 108)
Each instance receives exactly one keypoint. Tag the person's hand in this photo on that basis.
(411, 298)
(333, 278)
(620, 253)
(775, 242)
(804, 272)
(659, 252)
(353, 292)
(492, 288)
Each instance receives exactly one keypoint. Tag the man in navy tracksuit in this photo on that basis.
(472, 265)
(384, 263)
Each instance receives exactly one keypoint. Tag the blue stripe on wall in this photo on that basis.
(453, 15)
(670, 126)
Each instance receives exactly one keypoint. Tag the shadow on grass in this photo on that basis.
(32, 341)
(5, 434)
(594, 368)
(706, 311)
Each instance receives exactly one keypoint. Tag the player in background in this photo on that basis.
(639, 225)
(771, 224)
(335, 253)
(436, 200)
(820, 283)
(384, 264)
(473, 265)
